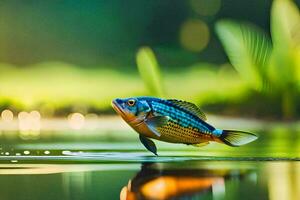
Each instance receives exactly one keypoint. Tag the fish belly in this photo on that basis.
(175, 133)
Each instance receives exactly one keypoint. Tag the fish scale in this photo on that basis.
(181, 117)
(175, 133)
(182, 127)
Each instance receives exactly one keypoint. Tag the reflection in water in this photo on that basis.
(217, 180)
(152, 182)
(75, 182)
(284, 180)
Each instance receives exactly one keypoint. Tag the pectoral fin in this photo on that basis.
(155, 122)
(149, 144)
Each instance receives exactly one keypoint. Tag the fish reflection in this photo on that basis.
(152, 182)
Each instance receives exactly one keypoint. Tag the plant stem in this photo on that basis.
(288, 105)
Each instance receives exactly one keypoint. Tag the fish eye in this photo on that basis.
(131, 102)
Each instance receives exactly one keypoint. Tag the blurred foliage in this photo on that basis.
(149, 71)
(107, 34)
(248, 50)
(100, 39)
(269, 68)
(57, 88)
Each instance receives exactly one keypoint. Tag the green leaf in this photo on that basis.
(149, 71)
(285, 30)
(248, 50)
(285, 24)
(283, 69)
(284, 64)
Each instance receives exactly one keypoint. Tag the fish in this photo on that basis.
(174, 121)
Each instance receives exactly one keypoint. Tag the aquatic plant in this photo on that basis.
(270, 65)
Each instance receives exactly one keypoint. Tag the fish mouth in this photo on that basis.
(117, 108)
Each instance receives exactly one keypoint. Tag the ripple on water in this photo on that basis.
(144, 157)
(133, 157)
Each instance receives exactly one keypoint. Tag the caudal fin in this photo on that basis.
(237, 138)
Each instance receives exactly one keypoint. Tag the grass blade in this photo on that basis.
(149, 71)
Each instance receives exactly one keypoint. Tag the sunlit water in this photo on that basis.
(112, 168)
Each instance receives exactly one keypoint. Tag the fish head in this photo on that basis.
(132, 110)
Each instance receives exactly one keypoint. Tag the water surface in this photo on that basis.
(64, 167)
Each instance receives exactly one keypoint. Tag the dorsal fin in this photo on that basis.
(189, 107)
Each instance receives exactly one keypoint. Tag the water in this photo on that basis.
(59, 166)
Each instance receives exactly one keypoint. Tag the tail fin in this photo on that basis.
(237, 138)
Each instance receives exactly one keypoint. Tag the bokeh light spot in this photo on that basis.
(47, 152)
(7, 115)
(76, 120)
(26, 152)
(205, 7)
(35, 115)
(29, 124)
(22, 115)
(194, 35)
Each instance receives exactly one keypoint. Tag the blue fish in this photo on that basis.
(174, 121)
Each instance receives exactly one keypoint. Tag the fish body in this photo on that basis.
(174, 121)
